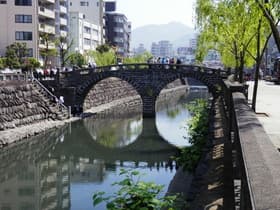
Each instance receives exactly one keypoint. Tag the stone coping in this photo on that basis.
(261, 159)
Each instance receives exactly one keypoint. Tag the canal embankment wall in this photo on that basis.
(22, 103)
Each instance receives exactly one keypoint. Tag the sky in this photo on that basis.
(144, 12)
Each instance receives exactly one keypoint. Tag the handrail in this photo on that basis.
(50, 93)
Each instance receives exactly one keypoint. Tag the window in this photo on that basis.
(87, 30)
(3, 1)
(118, 19)
(118, 29)
(23, 35)
(23, 18)
(70, 3)
(23, 2)
(84, 3)
(87, 41)
(26, 191)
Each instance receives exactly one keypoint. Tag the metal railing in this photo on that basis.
(51, 96)
(15, 77)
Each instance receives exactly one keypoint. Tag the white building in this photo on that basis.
(27, 20)
(193, 43)
(162, 49)
(84, 34)
(93, 12)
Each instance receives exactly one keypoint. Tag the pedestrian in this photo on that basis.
(61, 99)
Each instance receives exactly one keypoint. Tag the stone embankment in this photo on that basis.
(23, 105)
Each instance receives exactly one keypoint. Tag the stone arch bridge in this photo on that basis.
(147, 79)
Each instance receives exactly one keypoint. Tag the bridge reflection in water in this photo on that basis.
(62, 169)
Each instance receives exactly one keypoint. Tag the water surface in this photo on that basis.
(62, 169)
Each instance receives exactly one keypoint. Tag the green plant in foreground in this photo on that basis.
(135, 195)
(198, 131)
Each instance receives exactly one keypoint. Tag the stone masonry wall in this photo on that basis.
(22, 104)
(113, 89)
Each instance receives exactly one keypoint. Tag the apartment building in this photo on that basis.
(92, 12)
(118, 32)
(28, 20)
(162, 49)
(84, 34)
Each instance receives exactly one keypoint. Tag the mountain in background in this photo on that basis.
(175, 32)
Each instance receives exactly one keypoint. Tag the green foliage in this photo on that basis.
(64, 46)
(143, 58)
(103, 58)
(230, 28)
(270, 9)
(103, 48)
(2, 63)
(15, 54)
(77, 59)
(198, 131)
(31, 63)
(135, 195)
(48, 51)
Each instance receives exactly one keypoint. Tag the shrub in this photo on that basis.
(135, 195)
(198, 131)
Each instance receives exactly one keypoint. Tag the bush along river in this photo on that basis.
(63, 168)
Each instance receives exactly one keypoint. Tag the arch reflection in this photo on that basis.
(114, 132)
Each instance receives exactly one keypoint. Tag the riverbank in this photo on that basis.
(205, 188)
(16, 134)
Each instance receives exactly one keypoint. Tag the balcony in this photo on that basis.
(87, 36)
(43, 46)
(63, 33)
(47, 1)
(63, 9)
(63, 21)
(46, 28)
(46, 13)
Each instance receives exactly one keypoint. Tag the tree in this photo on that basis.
(63, 47)
(2, 63)
(15, 54)
(103, 58)
(271, 11)
(47, 52)
(77, 59)
(31, 64)
(230, 28)
(103, 48)
(143, 58)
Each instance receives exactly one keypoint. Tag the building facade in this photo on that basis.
(27, 21)
(118, 33)
(93, 13)
(162, 49)
(84, 35)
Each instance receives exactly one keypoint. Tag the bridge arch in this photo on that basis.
(149, 79)
(110, 90)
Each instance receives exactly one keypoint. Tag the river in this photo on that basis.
(62, 168)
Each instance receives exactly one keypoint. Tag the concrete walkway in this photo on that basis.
(268, 108)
